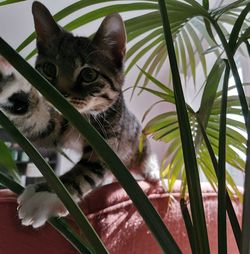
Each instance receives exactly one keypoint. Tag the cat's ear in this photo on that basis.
(45, 25)
(111, 37)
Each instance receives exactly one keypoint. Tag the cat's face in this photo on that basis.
(89, 73)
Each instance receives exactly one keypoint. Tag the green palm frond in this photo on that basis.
(165, 128)
(6, 2)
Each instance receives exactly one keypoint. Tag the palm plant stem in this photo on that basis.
(246, 203)
(232, 43)
(248, 47)
(230, 210)
(197, 209)
(234, 69)
(222, 223)
(189, 226)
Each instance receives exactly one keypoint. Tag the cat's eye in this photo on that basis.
(88, 75)
(48, 69)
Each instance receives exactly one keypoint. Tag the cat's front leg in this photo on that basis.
(38, 203)
(27, 109)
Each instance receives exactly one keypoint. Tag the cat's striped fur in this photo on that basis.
(90, 75)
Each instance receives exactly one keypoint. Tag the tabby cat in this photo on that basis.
(89, 73)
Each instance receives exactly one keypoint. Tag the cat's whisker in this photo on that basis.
(112, 129)
(104, 132)
(78, 139)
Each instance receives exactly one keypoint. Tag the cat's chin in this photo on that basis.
(80, 106)
(85, 110)
(88, 109)
(89, 112)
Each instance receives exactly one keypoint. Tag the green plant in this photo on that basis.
(193, 38)
(213, 138)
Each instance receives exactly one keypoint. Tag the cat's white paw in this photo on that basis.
(153, 175)
(35, 208)
(151, 169)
